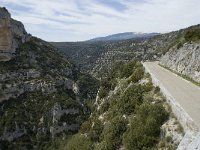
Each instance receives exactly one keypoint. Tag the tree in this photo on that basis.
(131, 98)
(137, 75)
(128, 69)
(111, 136)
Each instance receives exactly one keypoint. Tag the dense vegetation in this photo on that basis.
(51, 103)
(42, 103)
(188, 35)
(192, 35)
(96, 57)
(129, 113)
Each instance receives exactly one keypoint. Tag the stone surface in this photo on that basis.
(195, 143)
(12, 34)
(171, 129)
(181, 97)
(185, 60)
(5, 30)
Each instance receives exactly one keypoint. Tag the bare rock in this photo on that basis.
(185, 60)
(12, 34)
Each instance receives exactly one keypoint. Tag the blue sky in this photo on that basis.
(77, 20)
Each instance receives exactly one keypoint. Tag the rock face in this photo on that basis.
(185, 60)
(5, 31)
(42, 94)
(12, 33)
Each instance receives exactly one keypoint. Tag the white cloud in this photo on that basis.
(72, 20)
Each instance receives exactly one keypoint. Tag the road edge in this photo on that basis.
(191, 138)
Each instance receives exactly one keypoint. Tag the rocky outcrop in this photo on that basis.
(42, 94)
(19, 34)
(29, 81)
(185, 60)
(12, 34)
(57, 113)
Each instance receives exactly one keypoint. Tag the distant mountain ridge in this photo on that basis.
(95, 57)
(124, 36)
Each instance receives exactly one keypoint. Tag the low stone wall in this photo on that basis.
(192, 135)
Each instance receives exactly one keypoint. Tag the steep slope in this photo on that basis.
(130, 113)
(184, 56)
(97, 56)
(123, 36)
(43, 96)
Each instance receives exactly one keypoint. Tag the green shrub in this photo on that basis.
(96, 130)
(88, 86)
(157, 89)
(162, 144)
(112, 135)
(192, 35)
(180, 129)
(131, 98)
(102, 92)
(168, 139)
(179, 45)
(104, 107)
(145, 126)
(85, 127)
(128, 69)
(79, 142)
(137, 75)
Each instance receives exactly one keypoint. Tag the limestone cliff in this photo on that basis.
(185, 60)
(42, 94)
(12, 34)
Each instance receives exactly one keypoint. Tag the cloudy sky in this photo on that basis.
(76, 20)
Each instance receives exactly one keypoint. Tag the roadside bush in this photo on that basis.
(137, 75)
(131, 98)
(144, 129)
(157, 89)
(128, 69)
(112, 135)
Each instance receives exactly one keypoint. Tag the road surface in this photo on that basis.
(184, 92)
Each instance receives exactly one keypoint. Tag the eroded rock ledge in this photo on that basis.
(12, 34)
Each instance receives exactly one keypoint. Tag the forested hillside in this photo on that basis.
(129, 113)
(96, 57)
(89, 95)
(43, 96)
